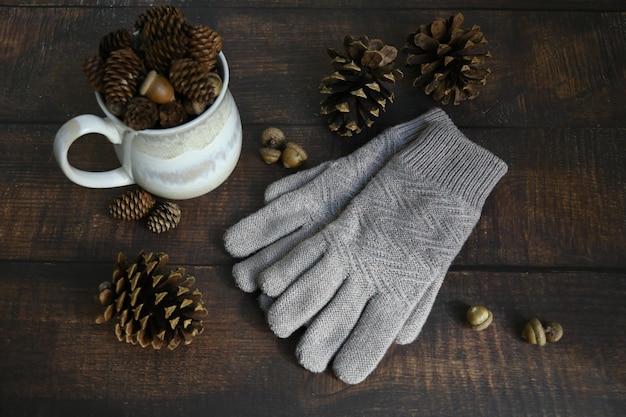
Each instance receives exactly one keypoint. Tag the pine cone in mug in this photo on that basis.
(93, 67)
(172, 114)
(141, 114)
(118, 39)
(192, 79)
(122, 70)
(204, 45)
(162, 37)
(157, 13)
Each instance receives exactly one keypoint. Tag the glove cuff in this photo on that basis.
(446, 157)
(397, 137)
(407, 131)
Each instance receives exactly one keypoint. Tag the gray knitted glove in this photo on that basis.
(358, 280)
(302, 203)
(412, 326)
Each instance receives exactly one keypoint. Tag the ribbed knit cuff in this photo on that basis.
(398, 136)
(407, 131)
(446, 157)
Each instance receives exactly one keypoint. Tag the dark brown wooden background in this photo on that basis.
(551, 242)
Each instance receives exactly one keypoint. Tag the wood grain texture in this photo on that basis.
(559, 5)
(57, 361)
(550, 243)
(562, 203)
(549, 69)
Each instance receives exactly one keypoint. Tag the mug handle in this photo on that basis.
(74, 129)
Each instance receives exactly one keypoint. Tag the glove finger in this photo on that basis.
(305, 297)
(247, 271)
(275, 279)
(375, 331)
(265, 302)
(272, 222)
(331, 327)
(414, 324)
(293, 182)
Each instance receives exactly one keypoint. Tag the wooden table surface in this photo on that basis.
(551, 242)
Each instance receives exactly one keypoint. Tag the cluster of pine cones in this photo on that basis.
(161, 74)
(442, 51)
(151, 308)
(138, 204)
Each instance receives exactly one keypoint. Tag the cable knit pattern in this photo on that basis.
(300, 204)
(359, 279)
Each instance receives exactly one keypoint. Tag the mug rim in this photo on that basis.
(222, 66)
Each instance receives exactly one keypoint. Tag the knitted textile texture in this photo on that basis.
(304, 202)
(358, 280)
(373, 263)
(300, 204)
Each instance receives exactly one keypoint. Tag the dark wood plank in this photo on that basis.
(549, 69)
(561, 204)
(559, 5)
(57, 361)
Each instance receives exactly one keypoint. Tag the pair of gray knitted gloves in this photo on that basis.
(356, 249)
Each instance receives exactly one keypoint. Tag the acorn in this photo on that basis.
(293, 155)
(534, 333)
(270, 155)
(273, 137)
(157, 88)
(553, 331)
(537, 334)
(479, 317)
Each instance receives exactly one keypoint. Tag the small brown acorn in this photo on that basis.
(293, 156)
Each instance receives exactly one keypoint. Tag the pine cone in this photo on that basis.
(132, 205)
(356, 93)
(119, 39)
(172, 114)
(155, 13)
(151, 308)
(141, 114)
(204, 45)
(122, 70)
(160, 53)
(443, 51)
(164, 217)
(163, 37)
(191, 79)
(93, 67)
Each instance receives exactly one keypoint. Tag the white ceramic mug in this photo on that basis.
(181, 162)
